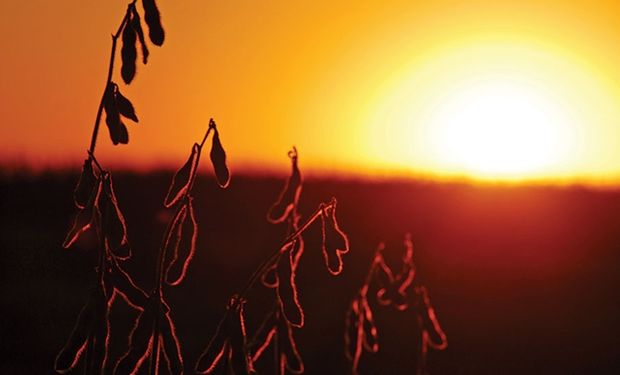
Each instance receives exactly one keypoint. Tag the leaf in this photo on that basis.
(118, 130)
(289, 355)
(124, 106)
(137, 26)
(140, 340)
(287, 290)
(113, 221)
(70, 354)
(335, 241)
(85, 188)
(128, 51)
(289, 196)
(183, 246)
(171, 346)
(83, 221)
(218, 158)
(153, 20)
(182, 178)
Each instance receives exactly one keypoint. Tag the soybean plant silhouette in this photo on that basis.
(152, 343)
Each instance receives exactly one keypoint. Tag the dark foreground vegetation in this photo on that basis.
(524, 279)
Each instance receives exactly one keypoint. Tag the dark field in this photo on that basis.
(524, 279)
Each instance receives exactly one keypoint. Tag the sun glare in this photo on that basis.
(498, 128)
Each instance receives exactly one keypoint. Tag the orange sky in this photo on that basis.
(354, 85)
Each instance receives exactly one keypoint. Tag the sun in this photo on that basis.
(498, 127)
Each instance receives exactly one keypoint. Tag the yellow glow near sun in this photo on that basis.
(499, 128)
(496, 109)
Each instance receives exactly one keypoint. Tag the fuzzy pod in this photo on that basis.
(351, 330)
(289, 196)
(118, 130)
(101, 335)
(182, 178)
(264, 334)
(270, 277)
(371, 335)
(334, 241)
(153, 20)
(125, 108)
(129, 53)
(217, 349)
(436, 337)
(182, 246)
(84, 220)
(218, 159)
(170, 344)
(112, 221)
(140, 340)
(289, 354)
(86, 186)
(137, 26)
(125, 286)
(287, 290)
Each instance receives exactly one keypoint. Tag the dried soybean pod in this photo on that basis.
(84, 219)
(437, 338)
(351, 330)
(124, 106)
(335, 241)
(140, 340)
(287, 290)
(68, 357)
(153, 20)
(289, 355)
(137, 26)
(86, 185)
(185, 247)
(125, 286)
(371, 339)
(128, 51)
(171, 346)
(113, 221)
(270, 277)
(101, 334)
(181, 179)
(240, 360)
(118, 131)
(264, 334)
(218, 158)
(217, 348)
(289, 196)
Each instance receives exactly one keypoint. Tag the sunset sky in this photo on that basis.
(490, 90)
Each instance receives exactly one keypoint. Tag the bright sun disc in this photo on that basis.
(498, 128)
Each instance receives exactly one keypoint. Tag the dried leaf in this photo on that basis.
(69, 356)
(289, 355)
(335, 241)
(129, 53)
(137, 26)
(112, 220)
(186, 233)
(83, 221)
(153, 20)
(85, 188)
(140, 340)
(218, 158)
(170, 343)
(118, 130)
(287, 290)
(289, 196)
(181, 179)
(125, 107)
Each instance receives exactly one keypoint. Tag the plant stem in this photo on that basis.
(93, 139)
(276, 254)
